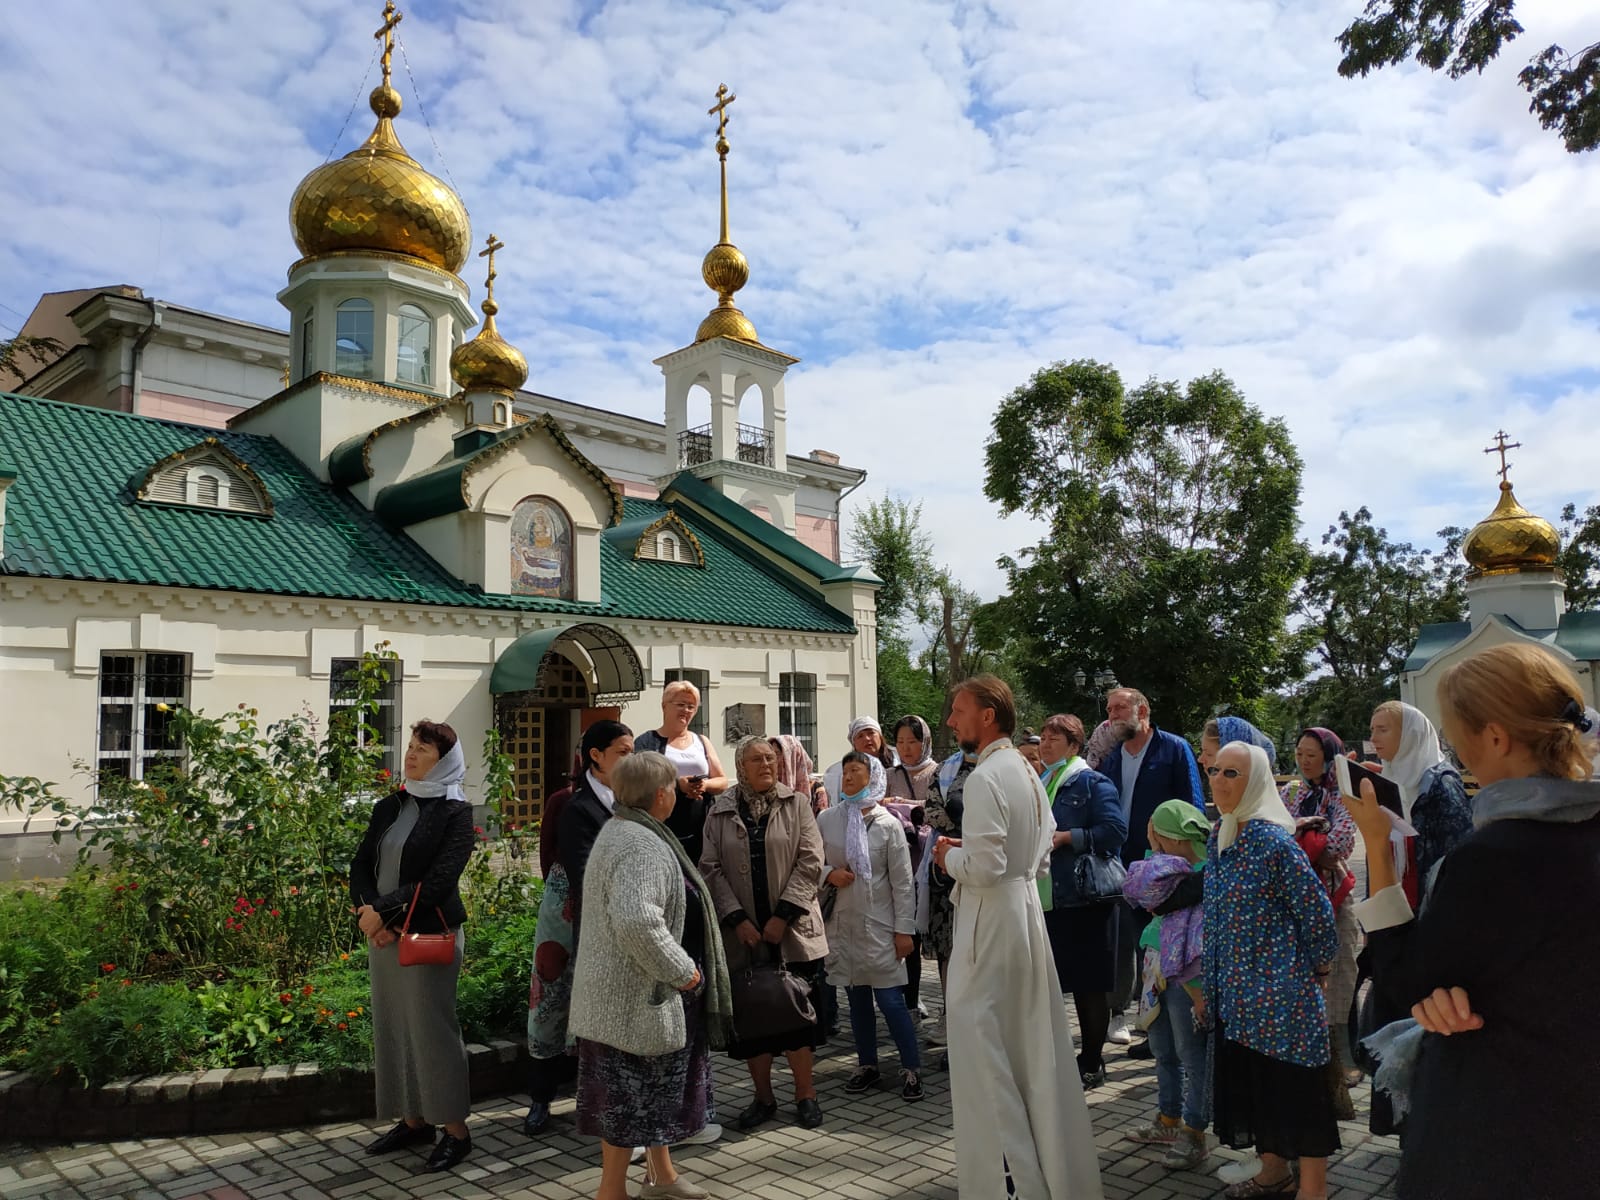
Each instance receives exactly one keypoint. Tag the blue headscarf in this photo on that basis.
(1237, 729)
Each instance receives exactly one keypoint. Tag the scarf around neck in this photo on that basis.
(719, 990)
(444, 779)
(857, 852)
(1316, 793)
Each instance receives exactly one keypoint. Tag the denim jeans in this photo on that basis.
(864, 1025)
(1180, 1053)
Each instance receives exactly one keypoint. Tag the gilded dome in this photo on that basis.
(1511, 538)
(378, 197)
(488, 362)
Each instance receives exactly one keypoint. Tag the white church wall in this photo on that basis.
(1421, 687)
(274, 654)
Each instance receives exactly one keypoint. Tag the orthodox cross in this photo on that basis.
(392, 16)
(490, 247)
(719, 110)
(1500, 447)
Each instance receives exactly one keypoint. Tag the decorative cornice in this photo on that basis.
(328, 378)
(545, 423)
(750, 351)
(384, 255)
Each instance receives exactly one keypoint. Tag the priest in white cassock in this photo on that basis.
(1013, 1074)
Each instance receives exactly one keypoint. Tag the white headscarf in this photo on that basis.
(857, 854)
(1419, 750)
(445, 778)
(1260, 802)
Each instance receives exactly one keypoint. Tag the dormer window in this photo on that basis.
(207, 475)
(670, 540)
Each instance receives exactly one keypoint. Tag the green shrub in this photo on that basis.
(125, 1029)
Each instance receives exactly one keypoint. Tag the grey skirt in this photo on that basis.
(419, 1060)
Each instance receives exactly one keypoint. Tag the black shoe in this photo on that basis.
(449, 1152)
(809, 1113)
(401, 1136)
(1141, 1050)
(1093, 1079)
(759, 1113)
(538, 1117)
(912, 1090)
(865, 1079)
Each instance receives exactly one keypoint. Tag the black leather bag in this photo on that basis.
(769, 1002)
(1098, 878)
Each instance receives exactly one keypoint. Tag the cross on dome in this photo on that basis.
(1500, 447)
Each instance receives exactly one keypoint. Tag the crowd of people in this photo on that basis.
(1191, 899)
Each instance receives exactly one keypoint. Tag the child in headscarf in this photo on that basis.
(1168, 883)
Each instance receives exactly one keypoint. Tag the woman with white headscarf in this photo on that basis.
(406, 875)
(1269, 935)
(1431, 792)
(866, 736)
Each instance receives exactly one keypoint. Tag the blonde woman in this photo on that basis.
(1500, 962)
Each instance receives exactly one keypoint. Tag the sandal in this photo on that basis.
(1286, 1186)
(1354, 1078)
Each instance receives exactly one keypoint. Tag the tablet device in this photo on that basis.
(1351, 775)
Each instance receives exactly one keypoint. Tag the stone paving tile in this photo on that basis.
(873, 1147)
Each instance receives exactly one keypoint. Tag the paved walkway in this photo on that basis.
(875, 1147)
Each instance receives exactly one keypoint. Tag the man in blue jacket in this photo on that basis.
(1150, 768)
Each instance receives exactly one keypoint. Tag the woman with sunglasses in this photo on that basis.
(1269, 935)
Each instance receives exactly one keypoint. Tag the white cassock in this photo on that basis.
(1013, 1073)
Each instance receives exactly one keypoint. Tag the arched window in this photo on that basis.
(414, 356)
(541, 550)
(308, 345)
(667, 547)
(354, 332)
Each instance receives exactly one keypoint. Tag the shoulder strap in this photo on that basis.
(415, 896)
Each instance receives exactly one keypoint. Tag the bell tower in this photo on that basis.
(746, 463)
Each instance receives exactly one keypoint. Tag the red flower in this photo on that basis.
(343, 1026)
(120, 888)
(276, 913)
(307, 990)
(286, 997)
(294, 891)
(126, 982)
(108, 967)
(383, 772)
(133, 887)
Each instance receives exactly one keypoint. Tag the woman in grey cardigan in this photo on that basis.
(649, 931)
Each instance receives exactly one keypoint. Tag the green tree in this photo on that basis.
(16, 353)
(1580, 556)
(904, 684)
(1363, 602)
(888, 537)
(1169, 554)
(1465, 36)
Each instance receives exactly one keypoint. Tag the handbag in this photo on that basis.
(426, 949)
(769, 1001)
(1098, 878)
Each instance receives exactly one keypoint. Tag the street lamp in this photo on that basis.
(1079, 679)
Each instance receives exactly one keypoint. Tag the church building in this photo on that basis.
(531, 563)
(1515, 593)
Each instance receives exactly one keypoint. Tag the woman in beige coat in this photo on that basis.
(762, 860)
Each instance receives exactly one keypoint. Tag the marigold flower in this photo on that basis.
(126, 982)
(343, 1026)
(108, 967)
(286, 997)
(344, 957)
(352, 1013)
(307, 990)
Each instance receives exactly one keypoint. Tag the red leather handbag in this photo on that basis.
(426, 949)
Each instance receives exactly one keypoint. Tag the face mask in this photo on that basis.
(856, 799)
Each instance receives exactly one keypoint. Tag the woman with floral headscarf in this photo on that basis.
(1313, 801)
(794, 770)
(761, 859)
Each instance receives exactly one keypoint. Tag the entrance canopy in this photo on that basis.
(603, 655)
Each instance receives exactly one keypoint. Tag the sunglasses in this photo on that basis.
(1225, 772)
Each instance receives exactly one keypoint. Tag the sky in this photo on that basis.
(936, 199)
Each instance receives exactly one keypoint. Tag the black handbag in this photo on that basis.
(769, 1001)
(1098, 878)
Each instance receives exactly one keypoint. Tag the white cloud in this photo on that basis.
(936, 199)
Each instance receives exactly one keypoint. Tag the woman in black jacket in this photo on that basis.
(417, 844)
(1496, 1078)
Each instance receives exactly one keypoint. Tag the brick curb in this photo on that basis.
(218, 1101)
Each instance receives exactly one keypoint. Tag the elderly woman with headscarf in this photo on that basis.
(1219, 731)
(1323, 824)
(405, 876)
(873, 920)
(1432, 796)
(762, 859)
(649, 931)
(794, 770)
(1268, 934)
(866, 736)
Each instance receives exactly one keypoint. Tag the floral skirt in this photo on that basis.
(550, 981)
(631, 1100)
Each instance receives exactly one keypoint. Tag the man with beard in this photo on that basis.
(1151, 768)
(1018, 1100)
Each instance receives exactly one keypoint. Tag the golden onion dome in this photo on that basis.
(1511, 538)
(488, 362)
(379, 198)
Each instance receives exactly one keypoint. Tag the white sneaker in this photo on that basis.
(922, 1012)
(1118, 1034)
(705, 1137)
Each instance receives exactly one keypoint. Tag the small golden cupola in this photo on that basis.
(488, 362)
(1510, 539)
(489, 370)
(725, 268)
(378, 198)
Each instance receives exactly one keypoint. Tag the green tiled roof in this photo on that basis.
(71, 515)
(1434, 640)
